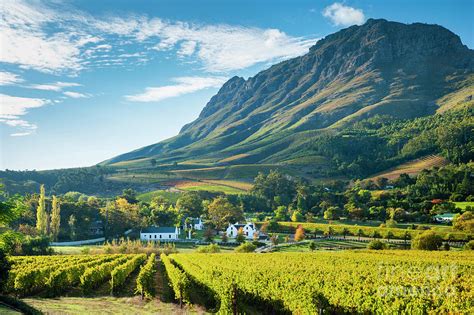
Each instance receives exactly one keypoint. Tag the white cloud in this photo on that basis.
(222, 48)
(58, 86)
(343, 15)
(184, 85)
(8, 78)
(76, 94)
(12, 107)
(54, 39)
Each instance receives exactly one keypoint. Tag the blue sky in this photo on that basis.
(83, 81)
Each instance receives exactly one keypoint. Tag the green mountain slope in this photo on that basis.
(380, 69)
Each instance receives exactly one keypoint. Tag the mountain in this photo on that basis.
(383, 73)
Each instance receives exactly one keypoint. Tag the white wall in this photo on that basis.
(164, 236)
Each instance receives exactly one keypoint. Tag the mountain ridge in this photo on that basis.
(379, 68)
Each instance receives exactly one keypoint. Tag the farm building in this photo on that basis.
(249, 229)
(163, 233)
(196, 223)
(444, 218)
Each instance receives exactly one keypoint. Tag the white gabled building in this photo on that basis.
(164, 233)
(249, 229)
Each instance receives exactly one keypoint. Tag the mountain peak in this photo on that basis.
(378, 68)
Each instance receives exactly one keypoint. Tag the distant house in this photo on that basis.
(444, 218)
(249, 229)
(162, 233)
(196, 223)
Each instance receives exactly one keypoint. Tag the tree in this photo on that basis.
(120, 215)
(11, 208)
(297, 216)
(427, 240)
(221, 212)
(464, 222)
(224, 237)
(281, 213)
(245, 248)
(72, 226)
(5, 266)
(377, 245)
(345, 231)
(208, 235)
(274, 239)
(41, 217)
(55, 218)
(240, 238)
(312, 245)
(299, 234)
(332, 213)
(130, 195)
(190, 204)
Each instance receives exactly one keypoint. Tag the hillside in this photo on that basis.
(284, 115)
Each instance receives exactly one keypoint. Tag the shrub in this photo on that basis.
(4, 269)
(469, 245)
(245, 248)
(209, 249)
(427, 240)
(376, 245)
(312, 245)
(299, 234)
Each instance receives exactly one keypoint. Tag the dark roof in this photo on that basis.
(161, 229)
(238, 226)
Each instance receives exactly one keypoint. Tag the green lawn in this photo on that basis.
(464, 204)
(171, 196)
(215, 188)
(73, 250)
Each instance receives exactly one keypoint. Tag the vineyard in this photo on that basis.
(337, 282)
(56, 275)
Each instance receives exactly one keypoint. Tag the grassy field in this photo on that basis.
(7, 311)
(147, 197)
(464, 204)
(411, 167)
(107, 305)
(320, 244)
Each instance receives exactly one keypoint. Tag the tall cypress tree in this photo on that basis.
(41, 217)
(55, 218)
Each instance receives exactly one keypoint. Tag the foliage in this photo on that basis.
(120, 273)
(377, 245)
(179, 282)
(469, 245)
(209, 249)
(4, 269)
(55, 218)
(41, 216)
(240, 238)
(146, 278)
(299, 234)
(335, 282)
(221, 212)
(464, 222)
(246, 247)
(427, 240)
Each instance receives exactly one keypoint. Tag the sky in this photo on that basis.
(83, 81)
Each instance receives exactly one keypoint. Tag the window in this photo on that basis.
(155, 235)
(150, 235)
(160, 235)
(170, 235)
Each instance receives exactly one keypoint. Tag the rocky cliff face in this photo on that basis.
(380, 67)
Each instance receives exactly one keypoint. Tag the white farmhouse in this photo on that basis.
(249, 229)
(164, 233)
(198, 224)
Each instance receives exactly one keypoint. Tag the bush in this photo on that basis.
(469, 245)
(377, 245)
(4, 269)
(246, 248)
(209, 249)
(312, 245)
(427, 240)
